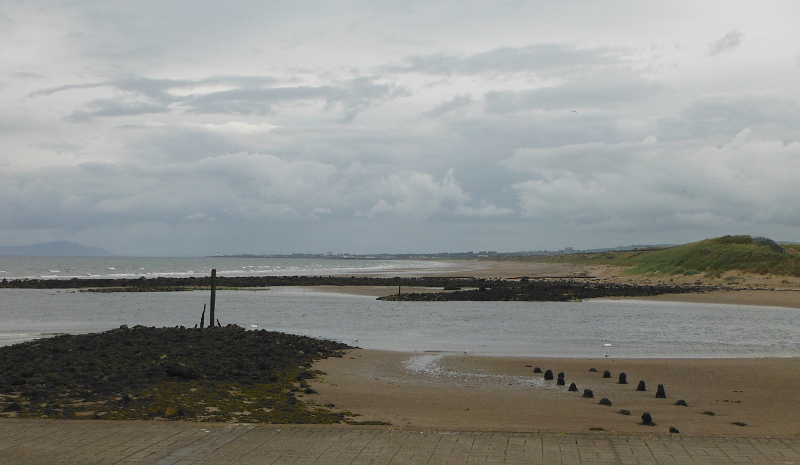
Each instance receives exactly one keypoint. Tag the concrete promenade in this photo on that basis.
(109, 442)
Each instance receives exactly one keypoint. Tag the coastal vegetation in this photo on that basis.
(216, 374)
(711, 257)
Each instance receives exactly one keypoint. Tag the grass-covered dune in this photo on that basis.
(215, 374)
(712, 257)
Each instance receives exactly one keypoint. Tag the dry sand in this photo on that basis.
(491, 393)
(464, 392)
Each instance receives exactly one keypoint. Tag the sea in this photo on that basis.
(587, 329)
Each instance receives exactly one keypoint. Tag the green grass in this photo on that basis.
(712, 257)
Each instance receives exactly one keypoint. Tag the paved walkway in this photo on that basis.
(167, 443)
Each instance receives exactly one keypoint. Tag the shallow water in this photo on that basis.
(12, 267)
(556, 329)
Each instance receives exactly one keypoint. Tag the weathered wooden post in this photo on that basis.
(213, 296)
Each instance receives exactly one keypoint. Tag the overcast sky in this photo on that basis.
(201, 127)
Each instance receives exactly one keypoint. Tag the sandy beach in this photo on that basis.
(465, 392)
(462, 392)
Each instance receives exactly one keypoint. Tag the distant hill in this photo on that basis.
(55, 249)
(711, 256)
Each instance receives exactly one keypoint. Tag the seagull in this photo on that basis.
(255, 326)
(607, 345)
(355, 341)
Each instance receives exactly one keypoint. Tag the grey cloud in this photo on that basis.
(353, 96)
(106, 108)
(66, 87)
(447, 106)
(25, 76)
(250, 96)
(726, 44)
(158, 89)
(745, 180)
(729, 114)
(598, 92)
(241, 187)
(540, 58)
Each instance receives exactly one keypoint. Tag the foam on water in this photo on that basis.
(134, 267)
(428, 365)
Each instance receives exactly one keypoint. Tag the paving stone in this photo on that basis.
(33, 442)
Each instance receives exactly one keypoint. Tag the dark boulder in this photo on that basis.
(573, 387)
(673, 430)
(660, 393)
(606, 374)
(647, 420)
(588, 394)
(681, 403)
(548, 375)
(641, 386)
(604, 401)
(623, 378)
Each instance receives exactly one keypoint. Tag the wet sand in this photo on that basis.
(463, 392)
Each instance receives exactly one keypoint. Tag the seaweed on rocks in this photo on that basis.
(171, 284)
(220, 374)
(555, 290)
(471, 289)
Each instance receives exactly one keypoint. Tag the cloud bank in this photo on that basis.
(266, 127)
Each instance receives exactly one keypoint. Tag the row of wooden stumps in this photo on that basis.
(211, 318)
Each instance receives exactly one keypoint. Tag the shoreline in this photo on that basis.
(786, 298)
(466, 392)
